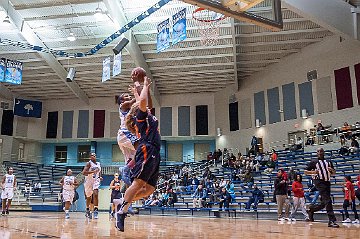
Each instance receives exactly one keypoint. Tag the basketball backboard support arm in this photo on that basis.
(275, 25)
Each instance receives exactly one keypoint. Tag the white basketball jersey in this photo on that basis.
(69, 183)
(122, 115)
(9, 180)
(93, 167)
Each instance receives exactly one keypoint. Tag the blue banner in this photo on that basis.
(106, 69)
(163, 36)
(27, 108)
(13, 72)
(117, 65)
(179, 27)
(2, 69)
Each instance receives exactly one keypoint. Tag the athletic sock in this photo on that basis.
(123, 205)
(87, 209)
(66, 211)
(96, 209)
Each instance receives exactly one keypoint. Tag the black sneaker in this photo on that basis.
(311, 215)
(120, 221)
(333, 225)
(7, 212)
(3, 213)
(88, 214)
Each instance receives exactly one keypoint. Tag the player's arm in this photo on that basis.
(76, 183)
(143, 101)
(86, 171)
(3, 182)
(112, 184)
(61, 182)
(332, 169)
(14, 185)
(150, 103)
(127, 104)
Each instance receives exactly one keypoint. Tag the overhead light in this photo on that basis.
(257, 123)
(304, 114)
(7, 20)
(99, 15)
(71, 37)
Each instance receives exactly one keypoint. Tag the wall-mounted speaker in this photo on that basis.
(71, 75)
(312, 75)
(120, 46)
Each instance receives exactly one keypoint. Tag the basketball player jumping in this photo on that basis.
(92, 172)
(147, 159)
(8, 184)
(68, 184)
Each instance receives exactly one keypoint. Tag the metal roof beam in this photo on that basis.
(32, 38)
(116, 12)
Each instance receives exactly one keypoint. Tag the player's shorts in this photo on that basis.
(115, 194)
(68, 195)
(90, 186)
(147, 163)
(126, 144)
(7, 193)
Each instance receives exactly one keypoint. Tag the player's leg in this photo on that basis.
(88, 195)
(3, 206)
(10, 195)
(96, 203)
(8, 205)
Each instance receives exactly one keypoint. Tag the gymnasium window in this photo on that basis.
(84, 153)
(60, 154)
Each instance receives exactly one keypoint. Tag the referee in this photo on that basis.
(322, 170)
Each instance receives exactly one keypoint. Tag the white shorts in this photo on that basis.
(126, 146)
(7, 193)
(68, 195)
(90, 186)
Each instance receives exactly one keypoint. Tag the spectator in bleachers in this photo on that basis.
(199, 197)
(172, 198)
(248, 180)
(280, 192)
(27, 187)
(194, 183)
(254, 145)
(357, 192)
(309, 140)
(230, 187)
(225, 199)
(274, 155)
(257, 196)
(311, 191)
(222, 183)
(345, 129)
(349, 200)
(298, 199)
(292, 174)
(354, 148)
(270, 166)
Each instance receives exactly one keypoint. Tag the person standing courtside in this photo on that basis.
(92, 172)
(8, 184)
(322, 169)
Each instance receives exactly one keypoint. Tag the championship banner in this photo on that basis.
(13, 72)
(117, 65)
(2, 69)
(179, 27)
(106, 69)
(27, 108)
(163, 36)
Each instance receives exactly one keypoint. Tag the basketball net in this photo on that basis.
(208, 23)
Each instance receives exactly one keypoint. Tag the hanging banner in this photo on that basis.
(2, 69)
(117, 65)
(163, 36)
(106, 69)
(13, 72)
(27, 108)
(179, 27)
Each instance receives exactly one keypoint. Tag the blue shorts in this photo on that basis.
(147, 163)
(115, 194)
(130, 136)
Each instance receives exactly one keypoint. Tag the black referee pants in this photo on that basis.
(325, 199)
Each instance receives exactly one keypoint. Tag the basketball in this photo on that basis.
(138, 74)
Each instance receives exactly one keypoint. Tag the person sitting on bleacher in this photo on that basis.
(354, 148)
(172, 198)
(225, 199)
(230, 187)
(346, 130)
(193, 183)
(199, 197)
(257, 196)
(312, 190)
(247, 181)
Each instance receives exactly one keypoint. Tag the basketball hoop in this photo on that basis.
(208, 23)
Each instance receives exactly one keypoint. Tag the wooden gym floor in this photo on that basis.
(24, 225)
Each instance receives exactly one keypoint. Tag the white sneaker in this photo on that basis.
(347, 220)
(281, 219)
(356, 221)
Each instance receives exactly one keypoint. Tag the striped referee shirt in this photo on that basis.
(322, 166)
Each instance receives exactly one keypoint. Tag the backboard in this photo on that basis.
(242, 11)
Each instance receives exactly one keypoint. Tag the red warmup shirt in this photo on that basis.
(298, 189)
(358, 181)
(349, 191)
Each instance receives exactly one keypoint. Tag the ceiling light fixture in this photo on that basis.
(99, 14)
(71, 37)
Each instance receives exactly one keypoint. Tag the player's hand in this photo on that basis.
(101, 178)
(132, 89)
(147, 81)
